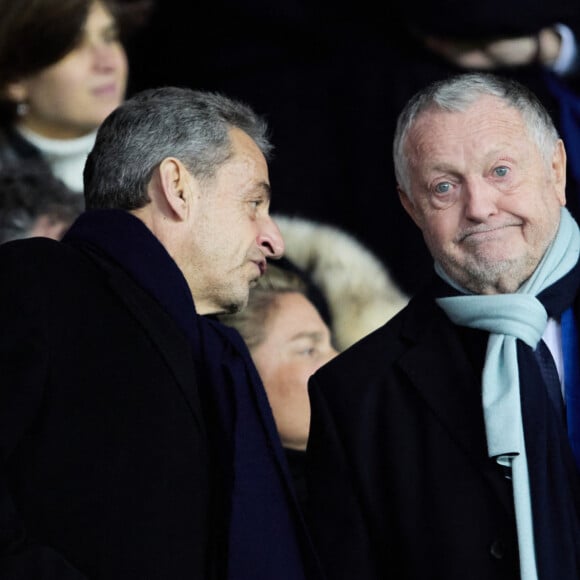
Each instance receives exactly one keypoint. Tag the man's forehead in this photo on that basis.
(486, 117)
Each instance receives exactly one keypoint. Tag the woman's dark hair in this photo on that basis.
(35, 34)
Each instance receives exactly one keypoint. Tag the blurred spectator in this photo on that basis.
(358, 290)
(63, 69)
(288, 340)
(33, 202)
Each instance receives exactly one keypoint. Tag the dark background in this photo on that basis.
(331, 79)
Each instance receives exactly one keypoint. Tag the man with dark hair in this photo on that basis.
(34, 202)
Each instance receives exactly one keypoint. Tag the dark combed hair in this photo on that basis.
(29, 190)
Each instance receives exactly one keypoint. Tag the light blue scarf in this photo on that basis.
(508, 317)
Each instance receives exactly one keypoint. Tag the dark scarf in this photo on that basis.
(554, 476)
(266, 533)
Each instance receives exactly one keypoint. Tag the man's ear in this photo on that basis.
(176, 186)
(559, 171)
(409, 206)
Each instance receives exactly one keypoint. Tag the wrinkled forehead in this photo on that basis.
(470, 138)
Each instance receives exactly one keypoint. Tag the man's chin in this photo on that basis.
(497, 276)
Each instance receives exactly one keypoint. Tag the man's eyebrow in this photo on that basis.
(314, 335)
(266, 189)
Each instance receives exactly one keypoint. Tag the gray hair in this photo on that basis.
(456, 94)
(192, 126)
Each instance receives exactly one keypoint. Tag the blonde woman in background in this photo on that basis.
(288, 339)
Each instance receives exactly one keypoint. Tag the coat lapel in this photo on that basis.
(164, 333)
(445, 367)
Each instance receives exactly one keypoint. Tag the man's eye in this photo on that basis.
(501, 171)
(311, 351)
(443, 187)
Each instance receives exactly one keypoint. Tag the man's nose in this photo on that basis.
(480, 199)
(270, 239)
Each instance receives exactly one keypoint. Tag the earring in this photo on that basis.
(21, 109)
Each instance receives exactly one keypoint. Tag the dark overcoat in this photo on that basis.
(104, 459)
(400, 483)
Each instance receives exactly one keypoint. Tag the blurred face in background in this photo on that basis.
(494, 53)
(297, 342)
(73, 96)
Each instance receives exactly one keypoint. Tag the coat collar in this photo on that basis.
(162, 331)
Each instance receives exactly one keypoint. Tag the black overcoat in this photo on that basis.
(399, 479)
(104, 460)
